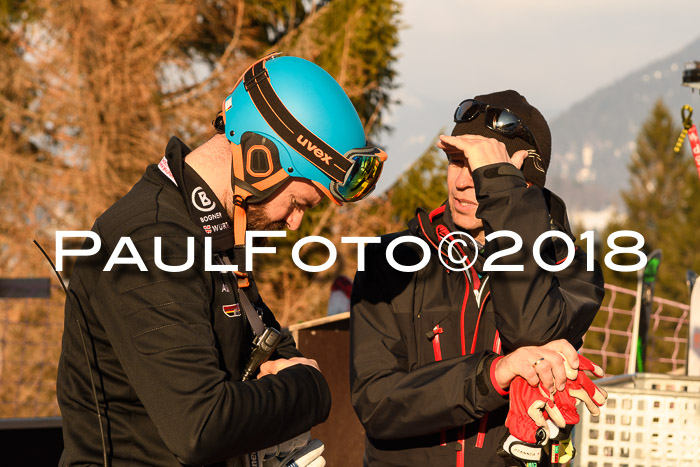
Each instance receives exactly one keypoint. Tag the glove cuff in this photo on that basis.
(521, 450)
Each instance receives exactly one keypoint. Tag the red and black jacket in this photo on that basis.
(423, 344)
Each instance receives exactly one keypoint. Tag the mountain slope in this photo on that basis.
(593, 140)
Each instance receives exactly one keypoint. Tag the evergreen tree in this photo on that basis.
(662, 205)
(423, 184)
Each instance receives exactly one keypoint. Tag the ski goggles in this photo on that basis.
(500, 120)
(352, 176)
(362, 176)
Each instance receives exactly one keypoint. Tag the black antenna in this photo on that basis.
(87, 358)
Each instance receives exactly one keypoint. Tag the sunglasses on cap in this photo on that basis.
(500, 120)
(352, 175)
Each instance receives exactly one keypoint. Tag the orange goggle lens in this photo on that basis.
(362, 177)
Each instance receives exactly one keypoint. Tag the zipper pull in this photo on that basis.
(434, 332)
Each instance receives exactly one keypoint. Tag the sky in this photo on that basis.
(554, 52)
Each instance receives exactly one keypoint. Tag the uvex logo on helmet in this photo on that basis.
(315, 150)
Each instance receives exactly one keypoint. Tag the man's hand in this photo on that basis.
(535, 364)
(272, 367)
(308, 456)
(301, 451)
(480, 151)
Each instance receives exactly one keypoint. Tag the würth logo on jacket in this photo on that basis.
(315, 150)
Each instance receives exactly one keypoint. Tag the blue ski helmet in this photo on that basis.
(292, 119)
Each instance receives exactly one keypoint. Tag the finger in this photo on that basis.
(599, 395)
(583, 396)
(528, 372)
(544, 372)
(570, 372)
(555, 415)
(450, 142)
(469, 138)
(304, 361)
(445, 139)
(266, 368)
(568, 350)
(519, 158)
(535, 413)
(310, 453)
(314, 364)
(558, 370)
(587, 365)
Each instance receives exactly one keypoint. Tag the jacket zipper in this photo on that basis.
(437, 330)
(478, 319)
(434, 335)
(475, 283)
(461, 317)
(484, 420)
(436, 349)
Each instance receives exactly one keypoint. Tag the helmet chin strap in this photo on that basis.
(239, 208)
(250, 191)
(240, 196)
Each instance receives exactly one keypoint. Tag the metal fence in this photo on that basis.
(608, 341)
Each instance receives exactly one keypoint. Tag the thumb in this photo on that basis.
(555, 415)
(519, 158)
(535, 413)
(583, 396)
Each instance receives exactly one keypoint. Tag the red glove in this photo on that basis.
(526, 416)
(567, 406)
(580, 386)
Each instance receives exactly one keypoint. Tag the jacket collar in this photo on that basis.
(435, 226)
(204, 208)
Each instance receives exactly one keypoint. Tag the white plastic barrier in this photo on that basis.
(649, 420)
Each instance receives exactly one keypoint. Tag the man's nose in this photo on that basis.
(293, 220)
(465, 180)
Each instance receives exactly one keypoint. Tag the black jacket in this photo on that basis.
(165, 356)
(423, 343)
